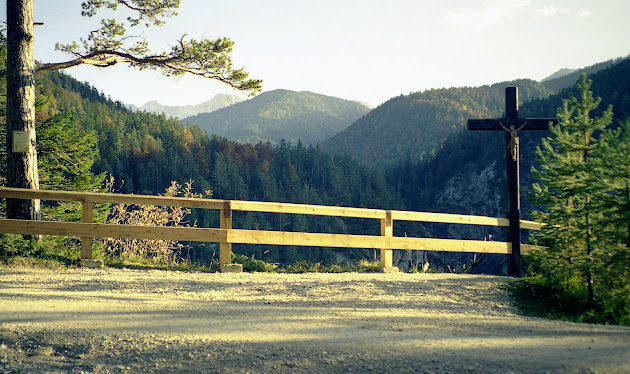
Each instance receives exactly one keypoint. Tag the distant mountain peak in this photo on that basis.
(219, 101)
(560, 73)
(282, 114)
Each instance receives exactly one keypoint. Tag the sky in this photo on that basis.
(362, 50)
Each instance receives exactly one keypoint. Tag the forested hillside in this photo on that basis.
(145, 152)
(466, 160)
(281, 114)
(465, 174)
(417, 124)
(563, 81)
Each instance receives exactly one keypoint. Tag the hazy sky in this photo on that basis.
(359, 50)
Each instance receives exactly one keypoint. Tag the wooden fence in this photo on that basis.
(226, 235)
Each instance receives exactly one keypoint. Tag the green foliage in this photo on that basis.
(367, 266)
(110, 44)
(420, 179)
(62, 250)
(145, 152)
(585, 264)
(465, 159)
(33, 262)
(146, 264)
(250, 264)
(17, 245)
(66, 155)
(302, 266)
(361, 266)
(613, 166)
(47, 250)
(547, 297)
(419, 123)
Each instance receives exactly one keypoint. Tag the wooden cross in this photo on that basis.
(512, 124)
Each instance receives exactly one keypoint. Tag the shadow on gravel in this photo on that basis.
(290, 324)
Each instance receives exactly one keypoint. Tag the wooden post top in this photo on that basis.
(511, 102)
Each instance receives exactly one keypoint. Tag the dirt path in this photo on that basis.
(82, 320)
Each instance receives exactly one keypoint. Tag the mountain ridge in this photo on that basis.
(281, 114)
(417, 123)
(562, 81)
(217, 102)
(559, 74)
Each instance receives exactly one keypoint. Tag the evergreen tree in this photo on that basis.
(613, 166)
(104, 47)
(578, 252)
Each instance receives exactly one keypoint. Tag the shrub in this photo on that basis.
(155, 250)
(250, 264)
(17, 245)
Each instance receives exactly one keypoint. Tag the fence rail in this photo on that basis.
(226, 235)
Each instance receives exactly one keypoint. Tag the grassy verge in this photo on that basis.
(536, 296)
(18, 250)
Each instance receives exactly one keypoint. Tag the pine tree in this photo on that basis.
(614, 166)
(220, 181)
(568, 193)
(107, 46)
(613, 169)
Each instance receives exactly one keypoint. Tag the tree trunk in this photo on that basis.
(22, 154)
(628, 207)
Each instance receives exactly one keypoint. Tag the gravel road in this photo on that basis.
(113, 321)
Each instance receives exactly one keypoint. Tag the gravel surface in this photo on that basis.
(112, 321)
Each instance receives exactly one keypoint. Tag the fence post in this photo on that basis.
(387, 230)
(225, 248)
(86, 241)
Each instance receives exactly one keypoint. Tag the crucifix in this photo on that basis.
(512, 125)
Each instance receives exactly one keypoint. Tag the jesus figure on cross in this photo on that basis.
(512, 125)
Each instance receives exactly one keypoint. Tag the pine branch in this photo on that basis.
(205, 58)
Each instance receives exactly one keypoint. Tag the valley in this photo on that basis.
(410, 153)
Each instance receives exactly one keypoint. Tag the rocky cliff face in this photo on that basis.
(474, 191)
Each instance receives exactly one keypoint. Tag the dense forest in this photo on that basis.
(466, 174)
(462, 173)
(144, 152)
(464, 155)
(416, 125)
